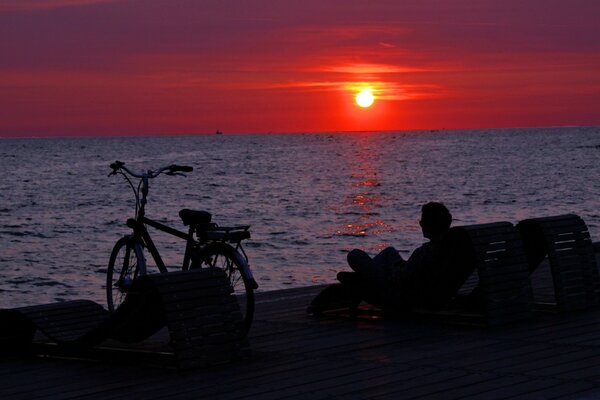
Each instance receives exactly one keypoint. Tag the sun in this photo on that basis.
(365, 98)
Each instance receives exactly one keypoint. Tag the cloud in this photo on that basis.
(365, 68)
(32, 5)
(383, 90)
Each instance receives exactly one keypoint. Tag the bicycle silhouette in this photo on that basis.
(207, 245)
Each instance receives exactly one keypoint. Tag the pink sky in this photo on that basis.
(95, 67)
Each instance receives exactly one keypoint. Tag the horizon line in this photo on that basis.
(175, 134)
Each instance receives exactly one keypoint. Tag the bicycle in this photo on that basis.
(207, 245)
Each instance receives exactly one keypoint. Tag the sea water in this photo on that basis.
(309, 198)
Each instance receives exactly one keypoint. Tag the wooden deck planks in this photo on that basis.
(297, 357)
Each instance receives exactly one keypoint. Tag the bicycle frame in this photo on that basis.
(141, 234)
(140, 231)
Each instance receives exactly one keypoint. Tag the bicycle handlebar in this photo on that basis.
(173, 169)
(117, 165)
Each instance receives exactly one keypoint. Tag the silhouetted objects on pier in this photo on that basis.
(502, 291)
(549, 356)
(504, 257)
(202, 317)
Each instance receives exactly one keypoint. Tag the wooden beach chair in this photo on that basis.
(563, 240)
(487, 258)
(202, 317)
(484, 279)
(502, 277)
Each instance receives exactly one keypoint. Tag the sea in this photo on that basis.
(309, 197)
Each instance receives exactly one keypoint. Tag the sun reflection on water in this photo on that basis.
(362, 208)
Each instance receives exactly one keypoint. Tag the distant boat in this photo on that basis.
(218, 133)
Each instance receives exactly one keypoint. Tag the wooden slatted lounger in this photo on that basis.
(202, 317)
(502, 272)
(490, 257)
(565, 241)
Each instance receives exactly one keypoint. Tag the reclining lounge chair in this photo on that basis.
(502, 287)
(202, 316)
(565, 241)
(503, 291)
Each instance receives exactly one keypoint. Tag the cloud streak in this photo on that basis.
(33, 5)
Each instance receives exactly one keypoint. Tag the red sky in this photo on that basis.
(94, 67)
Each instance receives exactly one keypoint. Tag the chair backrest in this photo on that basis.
(565, 239)
(202, 315)
(503, 272)
(496, 252)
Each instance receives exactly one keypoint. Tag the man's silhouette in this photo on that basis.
(387, 280)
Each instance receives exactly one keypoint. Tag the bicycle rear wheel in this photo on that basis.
(124, 266)
(225, 257)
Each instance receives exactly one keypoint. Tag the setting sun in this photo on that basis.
(365, 98)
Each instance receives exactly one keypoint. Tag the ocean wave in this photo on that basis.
(359, 213)
(38, 235)
(350, 234)
(51, 283)
(34, 281)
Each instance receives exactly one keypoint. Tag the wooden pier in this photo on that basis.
(295, 356)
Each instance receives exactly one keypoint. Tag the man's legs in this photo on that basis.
(368, 268)
(369, 281)
(374, 268)
(388, 257)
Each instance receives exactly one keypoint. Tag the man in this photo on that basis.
(387, 280)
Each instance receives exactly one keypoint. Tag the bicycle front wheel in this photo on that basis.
(225, 257)
(124, 266)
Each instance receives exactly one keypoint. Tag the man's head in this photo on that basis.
(435, 220)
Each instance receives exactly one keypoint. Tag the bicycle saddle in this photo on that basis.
(193, 217)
